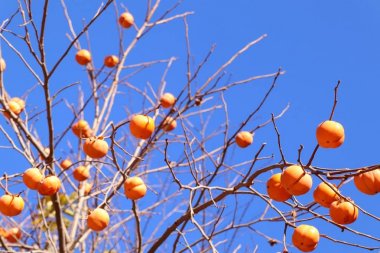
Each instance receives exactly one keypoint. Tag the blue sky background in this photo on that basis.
(317, 43)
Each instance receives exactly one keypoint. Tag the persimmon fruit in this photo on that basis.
(32, 178)
(275, 190)
(141, 126)
(82, 129)
(65, 164)
(330, 134)
(167, 100)
(11, 205)
(13, 235)
(368, 182)
(296, 180)
(169, 124)
(134, 188)
(324, 194)
(98, 219)
(95, 147)
(343, 212)
(87, 187)
(83, 57)
(244, 139)
(111, 61)
(81, 173)
(13, 107)
(126, 20)
(49, 186)
(305, 237)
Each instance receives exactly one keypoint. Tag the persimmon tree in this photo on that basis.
(117, 158)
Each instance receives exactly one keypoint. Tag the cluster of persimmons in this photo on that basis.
(95, 147)
(293, 181)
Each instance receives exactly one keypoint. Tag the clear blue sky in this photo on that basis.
(317, 43)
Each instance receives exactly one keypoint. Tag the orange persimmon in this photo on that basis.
(244, 139)
(275, 190)
(141, 126)
(305, 238)
(295, 180)
(134, 188)
(330, 134)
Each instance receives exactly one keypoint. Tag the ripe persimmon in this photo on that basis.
(82, 129)
(167, 100)
(169, 124)
(343, 212)
(81, 173)
(20, 102)
(95, 147)
(111, 61)
(32, 178)
(13, 107)
(305, 238)
(11, 205)
(325, 195)
(134, 188)
(65, 164)
(244, 139)
(275, 190)
(295, 180)
(330, 134)
(87, 187)
(49, 185)
(98, 219)
(126, 20)
(368, 182)
(83, 57)
(141, 126)
(13, 235)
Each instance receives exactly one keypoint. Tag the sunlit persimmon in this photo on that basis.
(20, 102)
(244, 139)
(295, 180)
(305, 238)
(343, 212)
(98, 219)
(13, 107)
(324, 194)
(65, 164)
(330, 134)
(95, 147)
(82, 129)
(167, 100)
(368, 182)
(3, 65)
(134, 188)
(141, 126)
(111, 61)
(11, 205)
(87, 187)
(126, 20)
(32, 178)
(13, 235)
(169, 124)
(275, 190)
(81, 173)
(50, 185)
(83, 57)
